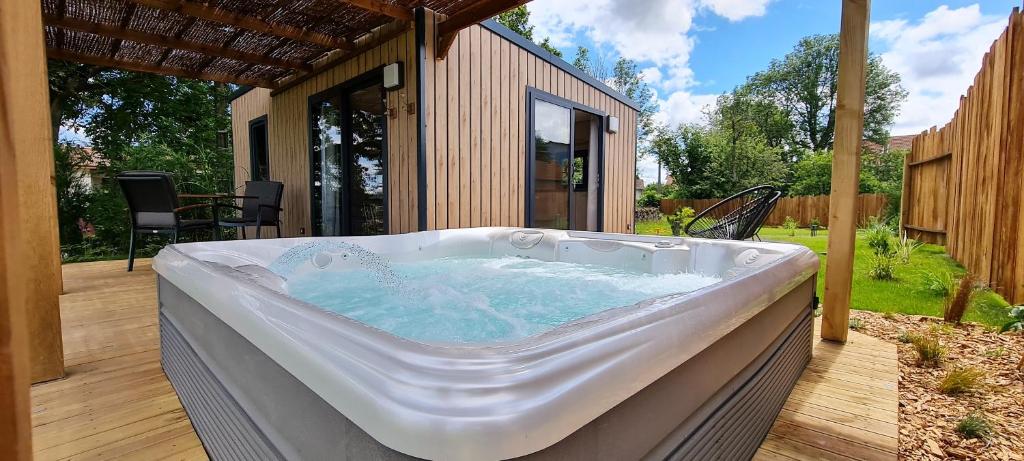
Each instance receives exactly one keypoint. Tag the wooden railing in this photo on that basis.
(803, 209)
(963, 183)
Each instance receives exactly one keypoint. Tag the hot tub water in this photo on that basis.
(467, 300)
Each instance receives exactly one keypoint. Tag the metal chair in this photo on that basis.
(264, 209)
(154, 208)
(738, 217)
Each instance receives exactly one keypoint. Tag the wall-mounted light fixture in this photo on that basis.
(393, 76)
(613, 125)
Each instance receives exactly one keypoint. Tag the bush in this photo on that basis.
(905, 337)
(856, 324)
(682, 216)
(883, 267)
(790, 225)
(929, 351)
(957, 304)
(905, 247)
(961, 380)
(1017, 320)
(974, 426)
(649, 198)
(942, 284)
(879, 238)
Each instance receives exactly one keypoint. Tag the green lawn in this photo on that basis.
(908, 294)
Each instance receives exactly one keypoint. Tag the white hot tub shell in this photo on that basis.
(263, 375)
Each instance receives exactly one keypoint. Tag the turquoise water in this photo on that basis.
(481, 300)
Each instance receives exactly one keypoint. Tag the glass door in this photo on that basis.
(348, 165)
(565, 164)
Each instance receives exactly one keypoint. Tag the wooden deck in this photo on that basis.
(116, 403)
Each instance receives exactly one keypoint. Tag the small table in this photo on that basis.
(215, 198)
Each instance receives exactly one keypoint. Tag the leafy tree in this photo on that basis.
(813, 176)
(518, 20)
(626, 79)
(804, 84)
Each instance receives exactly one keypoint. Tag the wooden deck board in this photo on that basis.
(116, 403)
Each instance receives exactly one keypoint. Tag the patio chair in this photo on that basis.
(262, 210)
(738, 217)
(153, 207)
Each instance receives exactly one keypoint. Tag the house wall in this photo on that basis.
(474, 112)
(288, 131)
(476, 134)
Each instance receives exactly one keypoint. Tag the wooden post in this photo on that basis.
(853, 53)
(27, 224)
(27, 172)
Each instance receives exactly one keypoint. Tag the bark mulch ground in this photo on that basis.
(928, 418)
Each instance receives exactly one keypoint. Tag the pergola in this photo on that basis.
(264, 43)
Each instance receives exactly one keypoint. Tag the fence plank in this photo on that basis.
(803, 209)
(963, 183)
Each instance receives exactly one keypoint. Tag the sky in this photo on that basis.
(693, 50)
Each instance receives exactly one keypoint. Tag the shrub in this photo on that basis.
(974, 426)
(856, 324)
(929, 351)
(649, 198)
(682, 216)
(1016, 322)
(957, 304)
(879, 238)
(790, 225)
(942, 284)
(905, 337)
(961, 380)
(883, 267)
(905, 247)
(888, 316)
(815, 222)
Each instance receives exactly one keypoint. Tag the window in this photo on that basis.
(565, 161)
(259, 150)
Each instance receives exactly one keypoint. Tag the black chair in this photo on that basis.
(264, 209)
(154, 208)
(738, 217)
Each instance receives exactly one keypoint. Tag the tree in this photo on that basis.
(626, 79)
(518, 20)
(813, 176)
(804, 83)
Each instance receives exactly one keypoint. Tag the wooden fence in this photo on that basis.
(963, 183)
(803, 209)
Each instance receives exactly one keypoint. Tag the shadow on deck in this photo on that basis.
(116, 402)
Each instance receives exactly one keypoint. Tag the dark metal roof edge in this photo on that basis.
(535, 49)
(241, 91)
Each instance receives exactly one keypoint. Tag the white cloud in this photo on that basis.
(736, 10)
(937, 57)
(657, 34)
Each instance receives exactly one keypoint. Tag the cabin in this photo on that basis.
(405, 136)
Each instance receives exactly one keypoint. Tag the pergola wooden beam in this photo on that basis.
(849, 134)
(150, 68)
(449, 29)
(387, 9)
(170, 42)
(252, 23)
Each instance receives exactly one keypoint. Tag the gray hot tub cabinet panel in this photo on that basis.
(718, 405)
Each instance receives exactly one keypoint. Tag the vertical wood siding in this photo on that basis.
(963, 183)
(476, 132)
(288, 128)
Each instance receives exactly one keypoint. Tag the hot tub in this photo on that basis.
(279, 349)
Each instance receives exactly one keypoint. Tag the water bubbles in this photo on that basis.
(319, 252)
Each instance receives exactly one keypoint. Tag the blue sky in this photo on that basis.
(693, 50)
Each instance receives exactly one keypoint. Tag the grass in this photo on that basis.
(961, 380)
(912, 292)
(974, 426)
(929, 350)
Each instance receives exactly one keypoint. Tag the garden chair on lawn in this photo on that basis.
(153, 207)
(738, 217)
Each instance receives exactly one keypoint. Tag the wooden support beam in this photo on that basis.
(387, 9)
(169, 42)
(252, 23)
(849, 134)
(139, 67)
(24, 129)
(448, 29)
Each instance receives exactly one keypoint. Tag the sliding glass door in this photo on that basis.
(564, 190)
(348, 154)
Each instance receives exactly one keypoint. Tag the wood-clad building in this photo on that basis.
(495, 131)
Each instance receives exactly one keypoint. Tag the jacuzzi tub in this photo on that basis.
(698, 375)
